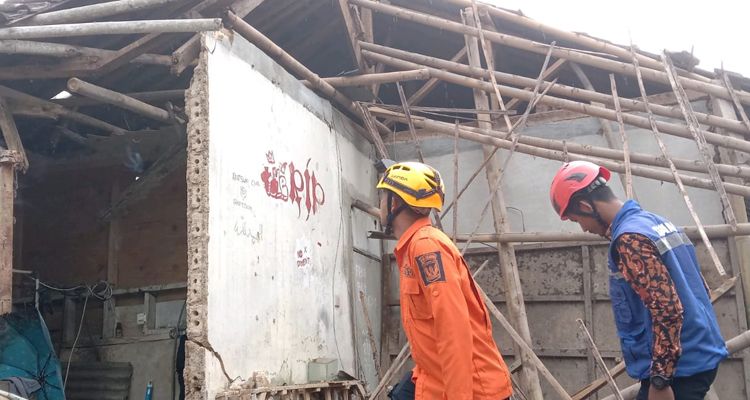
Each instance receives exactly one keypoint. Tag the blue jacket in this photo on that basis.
(703, 347)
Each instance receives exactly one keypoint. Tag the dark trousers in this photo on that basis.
(685, 388)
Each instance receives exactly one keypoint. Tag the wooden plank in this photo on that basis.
(10, 134)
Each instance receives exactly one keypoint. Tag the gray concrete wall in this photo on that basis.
(281, 280)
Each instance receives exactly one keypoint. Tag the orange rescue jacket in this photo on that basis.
(446, 321)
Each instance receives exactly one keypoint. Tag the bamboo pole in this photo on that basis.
(455, 184)
(57, 110)
(712, 231)
(286, 60)
(385, 77)
(728, 84)
(65, 51)
(550, 72)
(355, 32)
(405, 105)
(700, 139)
(599, 360)
(734, 345)
(641, 122)
(540, 48)
(94, 12)
(558, 89)
(609, 136)
(111, 28)
(83, 88)
(149, 97)
(506, 254)
(624, 138)
(483, 137)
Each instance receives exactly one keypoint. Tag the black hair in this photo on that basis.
(602, 193)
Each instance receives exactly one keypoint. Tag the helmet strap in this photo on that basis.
(392, 214)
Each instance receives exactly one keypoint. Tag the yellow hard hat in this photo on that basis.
(419, 185)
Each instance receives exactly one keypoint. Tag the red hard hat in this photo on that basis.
(571, 178)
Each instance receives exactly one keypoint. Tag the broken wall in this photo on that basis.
(274, 279)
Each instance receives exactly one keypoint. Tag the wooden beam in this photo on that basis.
(506, 254)
(541, 48)
(148, 97)
(10, 134)
(557, 102)
(111, 28)
(83, 88)
(48, 49)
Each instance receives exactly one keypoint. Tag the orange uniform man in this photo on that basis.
(444, 317)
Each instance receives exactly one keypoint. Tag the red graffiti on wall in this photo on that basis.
(288, 183)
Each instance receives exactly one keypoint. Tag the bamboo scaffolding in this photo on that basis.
(94, 11)
(624, 138)
(484, 137)
(728, 84)
(83, 88)
(700, 139)
(386, 77)
(540, 48)
(286, 60)
(149, 97)
(558, 89)
(506, 254)
(641, 122)
(549, 73)
(111, 28)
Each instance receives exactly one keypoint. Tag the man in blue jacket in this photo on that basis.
(668, 331)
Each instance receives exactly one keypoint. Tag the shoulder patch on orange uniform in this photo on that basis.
(431, 267)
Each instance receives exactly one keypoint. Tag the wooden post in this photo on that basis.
(114, 241)
(557, 89)
(111, 28)
(588, 304)
(506, 254)
(7, 194)
(69, 320)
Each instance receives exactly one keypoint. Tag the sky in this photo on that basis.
(714, 30)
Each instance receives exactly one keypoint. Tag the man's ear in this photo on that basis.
(585, 207)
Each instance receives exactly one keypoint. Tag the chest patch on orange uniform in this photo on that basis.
(431, 267)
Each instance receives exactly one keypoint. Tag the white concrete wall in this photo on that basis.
(283, 280)
(526, 185)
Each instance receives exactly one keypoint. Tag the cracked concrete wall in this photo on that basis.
(274, 279)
